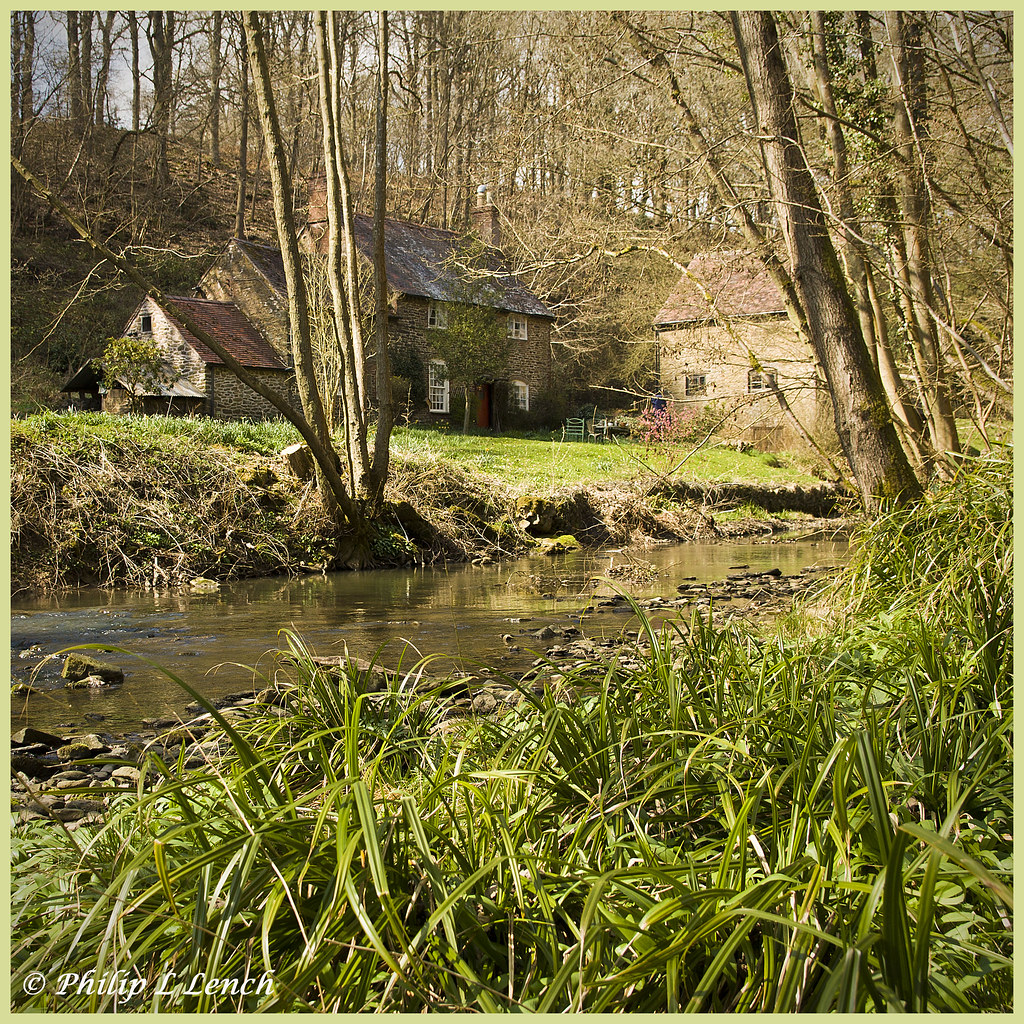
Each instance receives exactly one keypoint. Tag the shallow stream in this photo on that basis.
(457, 614)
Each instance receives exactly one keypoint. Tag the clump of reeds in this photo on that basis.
(745, 823)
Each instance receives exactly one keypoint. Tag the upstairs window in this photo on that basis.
(696, 384)
(437, 316)
(517, 327)
(437, 385)
(762, 380)
(146, 326)
(520, 395)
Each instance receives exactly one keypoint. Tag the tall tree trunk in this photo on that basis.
(16, 51)
(355, 320)
(332, 489)
(133, 32)
(85, 31)
(76, 103)
(100, 97)
(862, 419)
(24, 113)
(161, 43)
(243, 138)
(339, 230)
(909, 96)
(385, 411)
(22, 47)
(908, 423)
(216, 64)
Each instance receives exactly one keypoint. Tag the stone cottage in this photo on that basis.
(724, 339)
(426, 271)
(197, 381)
(242, 300)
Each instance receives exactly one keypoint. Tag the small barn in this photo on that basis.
(724, 340)
(197, 381)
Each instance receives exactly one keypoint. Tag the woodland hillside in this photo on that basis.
(615, 145)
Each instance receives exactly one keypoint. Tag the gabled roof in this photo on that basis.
(267, 260)
(719, 285)
(224, 320)
(423, 261)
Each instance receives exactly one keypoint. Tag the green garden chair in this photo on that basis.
(573, 429)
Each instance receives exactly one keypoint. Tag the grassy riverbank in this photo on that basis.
(746, 822)
(152, 501)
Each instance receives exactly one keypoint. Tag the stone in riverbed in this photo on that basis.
(80, 747)
(29, 736)
(484, 703)
(28, 764)
(67, 814)
(81, 666)
(84, 805)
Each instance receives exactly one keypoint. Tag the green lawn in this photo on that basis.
(525, 463)
(520, 463)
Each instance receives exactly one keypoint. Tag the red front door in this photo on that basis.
(483, 405)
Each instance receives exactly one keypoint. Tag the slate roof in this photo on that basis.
(267, 260)
(421, 261)
(224, 320)
(737, 283)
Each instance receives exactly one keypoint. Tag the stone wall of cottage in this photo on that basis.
(233, 278)
(529, 359)
(227, 398)
(177, 352)
(233, 400)
(722, 355)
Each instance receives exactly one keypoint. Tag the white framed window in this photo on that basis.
(146, 324)
(520, 395)
(696, 384)
(437, 316)
(761, 380)
(517, 326)
(437, 385)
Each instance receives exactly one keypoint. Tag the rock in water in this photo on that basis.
(80, 666)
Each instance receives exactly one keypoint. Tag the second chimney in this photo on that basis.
(485, 220)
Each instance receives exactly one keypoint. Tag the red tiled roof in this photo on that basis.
(225, 322)
(727, 284)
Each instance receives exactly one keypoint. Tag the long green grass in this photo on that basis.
(746, 823)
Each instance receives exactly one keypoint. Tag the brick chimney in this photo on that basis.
(485, 220)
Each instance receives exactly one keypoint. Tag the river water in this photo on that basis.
(457, 614)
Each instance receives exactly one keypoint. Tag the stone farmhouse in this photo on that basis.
(425, 270)
(242, 301)
(724, 340)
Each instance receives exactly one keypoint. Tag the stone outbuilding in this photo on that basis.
(196, 381)
(724, 340)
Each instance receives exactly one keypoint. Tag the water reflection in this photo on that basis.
(457, 613)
